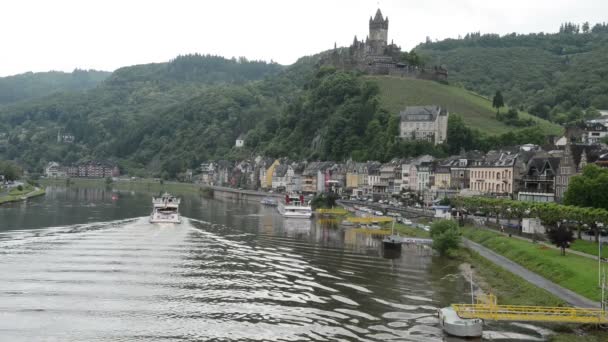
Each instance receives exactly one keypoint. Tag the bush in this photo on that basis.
(446, 236)
(20, 187)
(325, 200)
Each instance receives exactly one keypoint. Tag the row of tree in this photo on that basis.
(553, 216)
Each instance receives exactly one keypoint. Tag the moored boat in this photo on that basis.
(165, 209)
(392, 241)
(294, 207)
(269, 201)
(453, 325)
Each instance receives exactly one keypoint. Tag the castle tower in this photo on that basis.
(378, 33)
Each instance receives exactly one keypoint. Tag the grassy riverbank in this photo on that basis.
(509, 288)
(573, 272)
(15, 195)
(589, 247)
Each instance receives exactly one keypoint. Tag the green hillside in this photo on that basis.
(31, 85)
(396, 93)
(562, 77)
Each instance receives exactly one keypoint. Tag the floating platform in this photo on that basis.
(370, 219)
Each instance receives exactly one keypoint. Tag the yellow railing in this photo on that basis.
(371, 219)
(490, 311)
(333, 211)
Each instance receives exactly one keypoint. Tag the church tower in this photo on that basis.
(378, 33)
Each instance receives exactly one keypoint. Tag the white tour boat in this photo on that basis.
(165, 209)
(294, 207)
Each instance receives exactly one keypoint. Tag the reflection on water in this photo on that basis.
(81, 266)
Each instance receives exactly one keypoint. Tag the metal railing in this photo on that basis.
(489, 311)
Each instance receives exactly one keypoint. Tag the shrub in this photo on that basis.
(446, 236)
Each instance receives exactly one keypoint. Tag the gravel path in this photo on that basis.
(568, 296)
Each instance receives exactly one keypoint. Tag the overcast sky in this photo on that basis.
(107, 34)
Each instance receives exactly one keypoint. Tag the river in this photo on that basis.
(83, 264)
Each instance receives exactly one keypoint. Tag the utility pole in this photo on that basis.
(471, 282)
(599, 262)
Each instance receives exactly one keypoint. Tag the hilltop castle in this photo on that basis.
(375, 56)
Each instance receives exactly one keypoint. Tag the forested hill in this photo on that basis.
(561, 76)
(31, 85)
(103, 119)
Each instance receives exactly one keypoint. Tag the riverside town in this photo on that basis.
(318, 182)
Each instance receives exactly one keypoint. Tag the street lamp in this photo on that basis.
(599, 262)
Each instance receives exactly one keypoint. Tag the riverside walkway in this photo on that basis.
(568, 296)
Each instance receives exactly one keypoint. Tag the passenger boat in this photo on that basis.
(165, 209)
(294, 207)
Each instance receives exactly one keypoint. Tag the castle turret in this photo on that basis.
(378, 33)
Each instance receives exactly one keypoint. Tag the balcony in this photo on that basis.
(538, 178)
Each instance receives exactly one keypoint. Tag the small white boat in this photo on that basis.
(165, 209)
(268, 201)
(294, 207)
(453, 325)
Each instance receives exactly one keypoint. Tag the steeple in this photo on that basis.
(378, 16)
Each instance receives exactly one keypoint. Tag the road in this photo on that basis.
(568, 296)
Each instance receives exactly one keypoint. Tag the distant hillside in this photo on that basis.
(30, 85)
(103, 118)
(561, 77)
(397, 93)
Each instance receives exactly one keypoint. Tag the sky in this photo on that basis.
(63, 35)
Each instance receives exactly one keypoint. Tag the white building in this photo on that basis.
(428, 123)
(54, 170)
(240, 141)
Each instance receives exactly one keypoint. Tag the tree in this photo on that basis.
(561, 236)
(589, 189)
(10, 170)
(586, 27)
(498, 102)
(446, 236)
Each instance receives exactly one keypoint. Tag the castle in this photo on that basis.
(375, 56)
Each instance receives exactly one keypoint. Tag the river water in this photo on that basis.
(83, 264)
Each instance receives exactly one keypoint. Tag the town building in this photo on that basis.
(283, 175)
(54, 170)
(538, 182)
(427, 123)
(206, 175)
(266, 170)
(93, 169)
(575, 158)
(460, 174)
(64, 137)
(494, 174)
(594, 132)
(424, 171)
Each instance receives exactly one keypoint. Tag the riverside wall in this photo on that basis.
(240, 194)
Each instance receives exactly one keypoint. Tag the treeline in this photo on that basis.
(556, 76)
(104, 118)
(31, 85)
